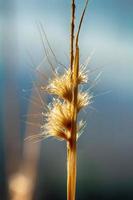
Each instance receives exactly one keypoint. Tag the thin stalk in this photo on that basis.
(72, 34)
(72, 157)
(71, 149)
(71, 146)
(81, 20)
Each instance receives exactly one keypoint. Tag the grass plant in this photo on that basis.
(68, 99)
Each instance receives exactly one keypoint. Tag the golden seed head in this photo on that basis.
(58, 120)
(59, 115)
(62, 87)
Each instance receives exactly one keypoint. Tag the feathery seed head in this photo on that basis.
(62, 86)
(59, 117)
(59, 114)
(58, 120)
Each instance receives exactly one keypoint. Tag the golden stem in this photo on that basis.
(71, 162)
(71, 146)
(71, 149)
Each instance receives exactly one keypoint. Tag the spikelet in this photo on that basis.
(58, 120)
(62, 87)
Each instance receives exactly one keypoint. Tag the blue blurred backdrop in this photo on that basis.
(105, 160)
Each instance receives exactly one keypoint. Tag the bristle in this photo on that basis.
(80, 128)
(83, 76)
(84, 99)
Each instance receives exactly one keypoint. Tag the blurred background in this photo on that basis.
(105, 160)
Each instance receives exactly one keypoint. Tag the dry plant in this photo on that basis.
(61, 116)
